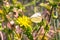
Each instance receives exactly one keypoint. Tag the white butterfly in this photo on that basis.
(36, 18)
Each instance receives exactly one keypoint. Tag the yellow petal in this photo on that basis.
(1, 11)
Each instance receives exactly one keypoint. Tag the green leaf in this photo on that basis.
(19, 5)
(28, 29)
(47, 6)
(14, 1)
(6, 9)
(36, 27)
(29, 35)
(46, 28)
(54, 2)
(1, 28)
(9, 38)
(54, 16)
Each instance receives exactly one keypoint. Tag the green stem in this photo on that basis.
(50, 13)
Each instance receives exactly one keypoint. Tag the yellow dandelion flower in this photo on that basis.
(46, 38)
(24, 21)
(17, 36)
(40, 37)
(1, 11)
